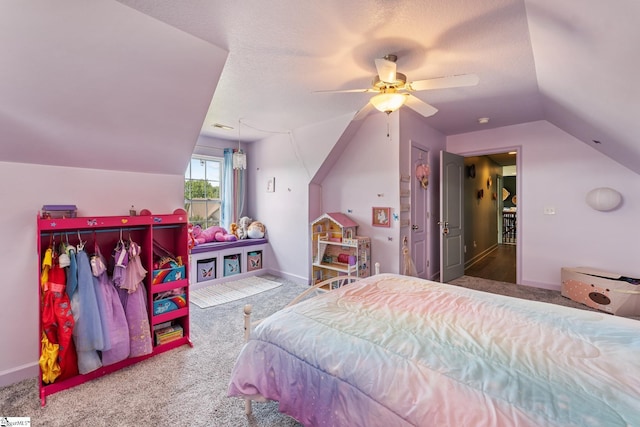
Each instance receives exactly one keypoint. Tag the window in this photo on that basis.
(202, 190)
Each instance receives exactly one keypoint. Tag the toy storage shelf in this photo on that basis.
(170, 231)
(219, 262)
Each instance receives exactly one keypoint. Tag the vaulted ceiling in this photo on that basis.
(139, 75)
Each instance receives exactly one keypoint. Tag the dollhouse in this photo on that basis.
(337, 249)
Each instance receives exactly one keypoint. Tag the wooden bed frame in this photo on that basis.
(333, 283)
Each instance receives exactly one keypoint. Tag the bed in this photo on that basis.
(393, 350)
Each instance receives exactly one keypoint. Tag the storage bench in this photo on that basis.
(218, 262)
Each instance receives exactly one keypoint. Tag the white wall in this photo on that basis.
(24, 188)
(556, 170)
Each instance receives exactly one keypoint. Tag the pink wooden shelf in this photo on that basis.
(170, 231)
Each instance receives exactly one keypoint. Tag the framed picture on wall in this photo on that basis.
(381, 217)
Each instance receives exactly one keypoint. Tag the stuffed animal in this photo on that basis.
(243, 225)
(255, 230)
(211, 234)
(191, 240)
(233, 229)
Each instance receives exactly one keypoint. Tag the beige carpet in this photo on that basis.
(223, 293)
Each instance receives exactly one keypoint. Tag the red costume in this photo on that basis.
(57, 323)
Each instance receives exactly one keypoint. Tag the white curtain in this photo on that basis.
(233, 191)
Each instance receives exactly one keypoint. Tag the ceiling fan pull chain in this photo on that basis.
(388, 132)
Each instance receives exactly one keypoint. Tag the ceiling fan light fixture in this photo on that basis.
(388, 102)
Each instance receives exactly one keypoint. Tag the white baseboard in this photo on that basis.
(550, 286)
(293, 277)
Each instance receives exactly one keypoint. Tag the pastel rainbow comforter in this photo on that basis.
(398, 351)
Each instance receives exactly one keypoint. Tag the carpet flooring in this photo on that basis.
(187, 386)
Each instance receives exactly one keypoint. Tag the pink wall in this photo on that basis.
(367, 175)
(414, 130)
(293, 159)
(25, 188)
(556, 170)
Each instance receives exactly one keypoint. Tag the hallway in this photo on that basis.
(499, 265)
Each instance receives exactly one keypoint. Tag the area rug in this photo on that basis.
(222, 293)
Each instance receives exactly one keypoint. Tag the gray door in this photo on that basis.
(451, 216)
(419, 215)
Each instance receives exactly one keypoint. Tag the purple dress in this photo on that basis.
(136, 304)
(112, 315)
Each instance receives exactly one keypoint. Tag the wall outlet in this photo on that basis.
(549, 211)
(474, 244)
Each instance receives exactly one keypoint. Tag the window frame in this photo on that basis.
(210, 208)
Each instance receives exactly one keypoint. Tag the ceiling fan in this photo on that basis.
(393, 90)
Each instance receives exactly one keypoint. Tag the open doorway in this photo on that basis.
(491, 216)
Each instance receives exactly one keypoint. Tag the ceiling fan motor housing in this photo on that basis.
(398, 83)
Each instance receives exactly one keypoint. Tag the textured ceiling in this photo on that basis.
(571, 62)
(144, 73)
(281, 52)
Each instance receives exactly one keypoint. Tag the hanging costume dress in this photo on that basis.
(112, 315)
(49, 350)
(135, 304)
(57, 324)
(88, 333)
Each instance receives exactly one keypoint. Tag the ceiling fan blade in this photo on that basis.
(347, 91)
(420, 106)
(459, 80)
(386, 70)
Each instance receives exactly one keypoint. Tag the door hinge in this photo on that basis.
(428, 263)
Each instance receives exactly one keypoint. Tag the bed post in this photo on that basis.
(247, 321)
(247, 333)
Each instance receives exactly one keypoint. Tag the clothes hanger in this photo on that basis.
(80, 245)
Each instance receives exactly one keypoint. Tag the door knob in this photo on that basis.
(414, 227)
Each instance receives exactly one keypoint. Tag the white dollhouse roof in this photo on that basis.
(339, 218)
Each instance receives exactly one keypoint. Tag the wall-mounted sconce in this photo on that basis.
(604, 199)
